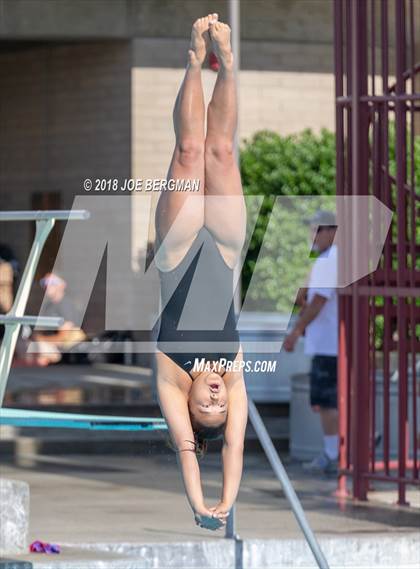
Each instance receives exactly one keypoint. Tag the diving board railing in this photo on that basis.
(45, 221)
(291, 496)
(288, 489)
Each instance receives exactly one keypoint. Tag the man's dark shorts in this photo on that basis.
(323, 376)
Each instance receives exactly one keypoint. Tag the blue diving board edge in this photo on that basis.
(29, 418)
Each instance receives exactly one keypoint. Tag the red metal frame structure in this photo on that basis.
(377, 104)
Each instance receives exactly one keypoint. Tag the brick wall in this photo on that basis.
(65, 114)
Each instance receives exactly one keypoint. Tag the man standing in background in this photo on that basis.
(319, 321)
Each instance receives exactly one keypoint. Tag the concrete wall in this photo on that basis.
(63, 19)
(65, 113)
(81, 19)
(300, 22)
(268, 20)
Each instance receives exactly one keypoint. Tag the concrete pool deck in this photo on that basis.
(124, 511)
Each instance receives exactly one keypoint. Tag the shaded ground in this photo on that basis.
(139, 497)
(105, 498)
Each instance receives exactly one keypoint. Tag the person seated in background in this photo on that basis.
(6, 286)
(6, 289)
(47, 345)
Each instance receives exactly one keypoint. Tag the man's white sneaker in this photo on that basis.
(321, 463)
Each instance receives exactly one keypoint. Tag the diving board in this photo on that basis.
(13, 321)
(29, 418)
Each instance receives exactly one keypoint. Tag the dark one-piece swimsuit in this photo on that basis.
(197, 306)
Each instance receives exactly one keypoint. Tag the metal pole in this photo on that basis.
(288, 489)
(234, 11)
(41, 321)
(56, 214)
(230, 524)
(11, 333)
(234, 22)
(402, 245)
(360, 186)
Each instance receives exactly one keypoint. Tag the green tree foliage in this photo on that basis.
(274, 165)
(297, 165)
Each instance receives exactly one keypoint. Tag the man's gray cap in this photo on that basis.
(322, 217)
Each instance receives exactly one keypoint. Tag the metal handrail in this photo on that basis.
(59, 215)
(288, 489)
(41, 321)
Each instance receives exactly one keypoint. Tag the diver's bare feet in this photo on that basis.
(220, 36)
(200, 41)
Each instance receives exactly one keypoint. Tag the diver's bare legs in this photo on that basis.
(224, 217)
(188, 157)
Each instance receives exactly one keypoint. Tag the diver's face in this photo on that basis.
(208, 399)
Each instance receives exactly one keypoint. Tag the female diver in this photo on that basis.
(203, 232)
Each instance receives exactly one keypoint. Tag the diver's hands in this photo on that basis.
(221, 510)
(208, 519)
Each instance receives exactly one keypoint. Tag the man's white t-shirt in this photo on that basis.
(321, 335)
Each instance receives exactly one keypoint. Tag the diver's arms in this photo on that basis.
(233, 447)
(191, 476)
(174, 407)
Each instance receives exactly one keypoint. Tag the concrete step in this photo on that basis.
(375, 551)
